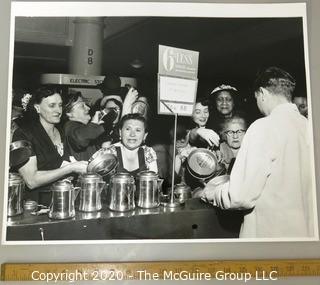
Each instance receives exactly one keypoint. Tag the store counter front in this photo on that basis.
(193, 220)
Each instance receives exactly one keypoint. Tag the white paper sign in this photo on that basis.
(178, 94)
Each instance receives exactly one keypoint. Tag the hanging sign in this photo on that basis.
(177, 80)
(178, 62)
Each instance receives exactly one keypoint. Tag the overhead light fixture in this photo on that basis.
(136, 63)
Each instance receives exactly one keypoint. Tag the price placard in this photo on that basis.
(178, 94)
(177, 80)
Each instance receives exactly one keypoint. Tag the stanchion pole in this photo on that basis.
(174, 158)
(172, 203)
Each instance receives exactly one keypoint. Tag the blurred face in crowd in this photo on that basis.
(133, 133)
(200, 114)
(181, 142)
(111, 105)
(225, 103)
(50, 109)
(80, 112)
(302, 105)
(181, 136)
(234, 132)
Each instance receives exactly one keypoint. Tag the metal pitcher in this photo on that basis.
(149, 190)
(15, 194)
(91, 185)
(62, 201)
(121, 192)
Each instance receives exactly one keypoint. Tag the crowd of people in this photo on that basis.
(64, 132)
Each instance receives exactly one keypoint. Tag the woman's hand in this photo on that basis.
(96, 118)
(79, 166)
(131, 97)
(210, 136)
(185, 152)
(35, 178)
(217, 195)
(219, 155)
(106, 144)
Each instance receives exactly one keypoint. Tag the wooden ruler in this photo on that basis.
(161, 270)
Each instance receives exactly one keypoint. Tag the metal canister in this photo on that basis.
(91, 185)
(121, 192)
(15, 194)
(148, 193)
(62, 201)
(182, 192)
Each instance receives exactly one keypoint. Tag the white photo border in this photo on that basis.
(148, 9)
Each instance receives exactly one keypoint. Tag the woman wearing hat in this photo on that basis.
(81, 131)
(221, 107)
(20, 100)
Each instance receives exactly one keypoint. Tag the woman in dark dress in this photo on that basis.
(81, 132)
(48, 161)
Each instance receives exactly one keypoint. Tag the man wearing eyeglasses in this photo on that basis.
(271, 179)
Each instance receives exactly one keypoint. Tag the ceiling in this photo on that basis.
(232, 50)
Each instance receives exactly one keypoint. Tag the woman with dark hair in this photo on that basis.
(81, 132)
(222, 105)
(111, 104)
(47, 162)
(200, 135)
(134, 156)
(114, 103)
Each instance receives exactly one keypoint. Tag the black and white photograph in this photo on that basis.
(166, 122)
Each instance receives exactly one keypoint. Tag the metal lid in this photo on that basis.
(102, 163)
(20, 152)
(121, 177)
(140, 107)
(90, 178)
(181, 187)
(15, 178)
(62, 185)
(147, 174)
(202, 162)
(30, 205)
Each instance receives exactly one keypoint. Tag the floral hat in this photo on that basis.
(223, 87)
(20, 98)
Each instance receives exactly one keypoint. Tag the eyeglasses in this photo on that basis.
(232, 133)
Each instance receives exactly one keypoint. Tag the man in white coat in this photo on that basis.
(272, 176)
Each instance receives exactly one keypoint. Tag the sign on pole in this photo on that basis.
(177, 80)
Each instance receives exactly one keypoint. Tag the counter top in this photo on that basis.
(194, 219)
